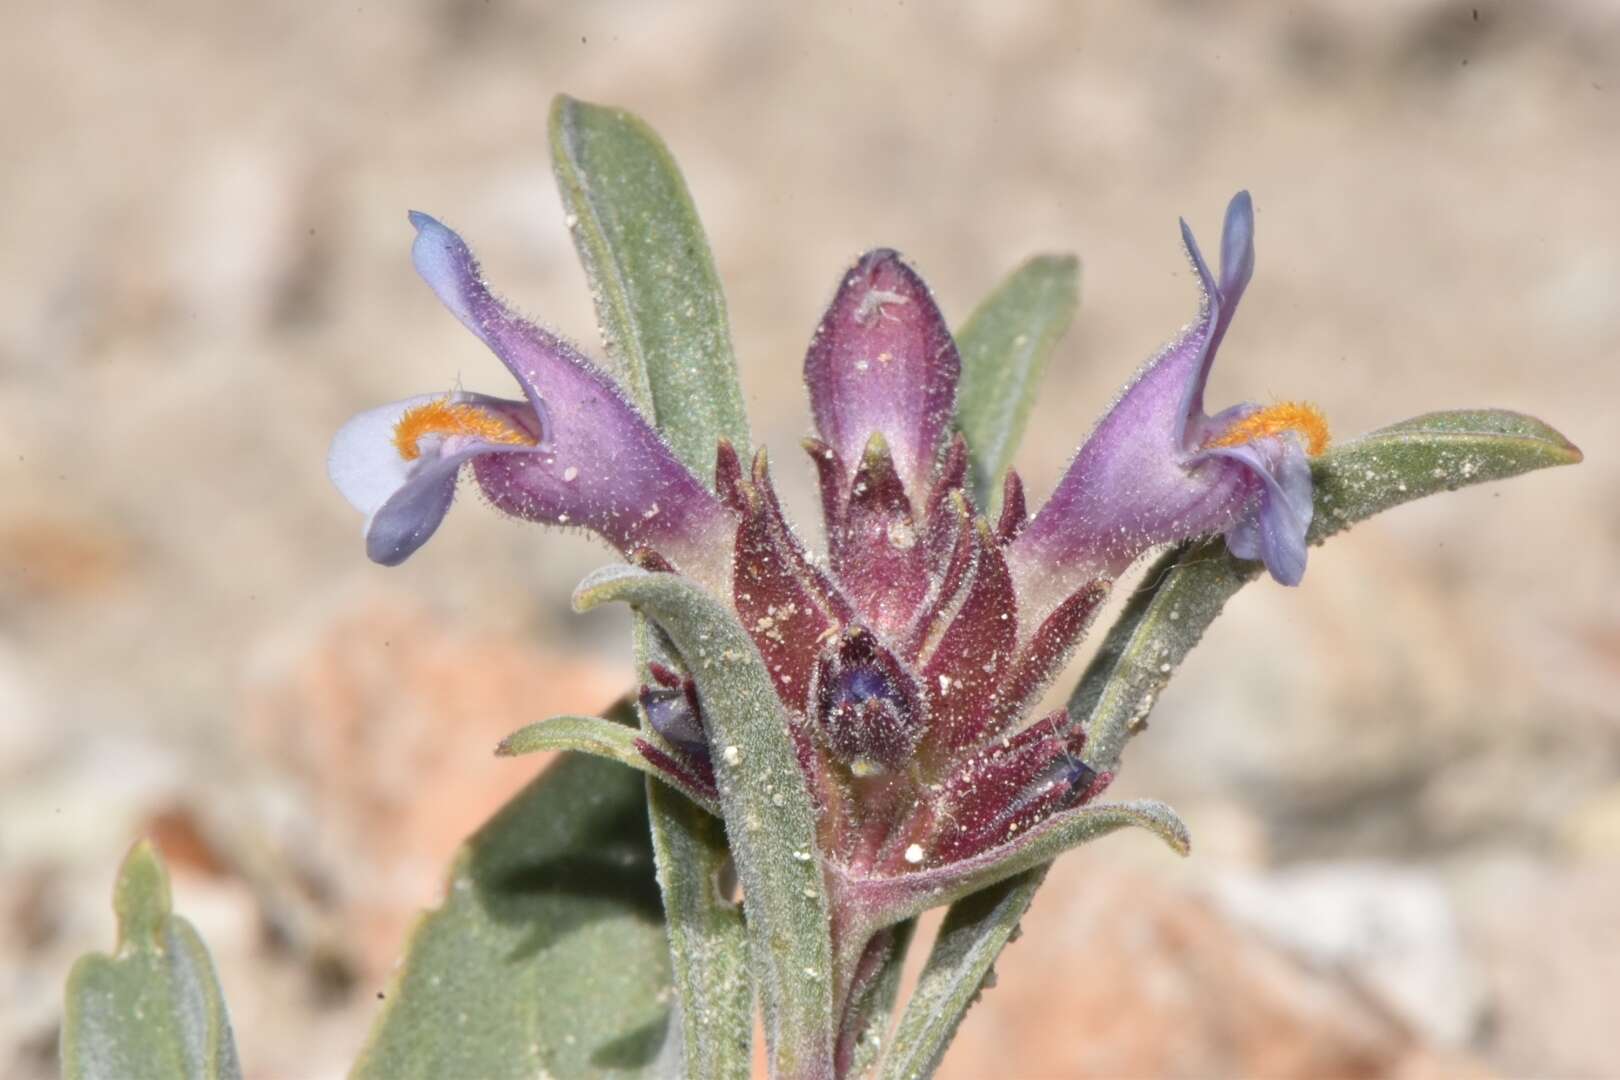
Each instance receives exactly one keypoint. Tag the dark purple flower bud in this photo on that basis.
(867, 704)
(671, 705)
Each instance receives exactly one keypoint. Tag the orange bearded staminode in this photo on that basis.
(1297, 416)
(446, 417)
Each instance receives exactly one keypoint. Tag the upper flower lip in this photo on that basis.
(1220, 301)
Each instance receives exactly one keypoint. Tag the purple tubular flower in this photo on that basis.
(882, 362)
(573, 452)
(1158, 470)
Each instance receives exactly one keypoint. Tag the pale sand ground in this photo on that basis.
(1403, 777)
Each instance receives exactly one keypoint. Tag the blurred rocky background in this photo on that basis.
(1403, 779)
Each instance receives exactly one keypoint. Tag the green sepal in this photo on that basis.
(1005, 346)
(604, 738)
(770, 821)
(657, 294)
(154, 1007)
(547, 956)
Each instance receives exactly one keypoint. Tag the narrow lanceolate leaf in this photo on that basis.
(1184, 591)
(663, 314)
(657, 294)
(708, 939)
(153, 1008)
(547, 957)
(975, 930)
(770, 820)
(603, 738)
(1005, 346)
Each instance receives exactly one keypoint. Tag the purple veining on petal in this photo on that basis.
(882, 361)
(604, 468)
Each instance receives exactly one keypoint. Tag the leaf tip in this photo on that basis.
(141, 899)
(603, 586)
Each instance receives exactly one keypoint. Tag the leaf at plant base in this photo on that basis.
(1184, 591)
(770, 820)
(1180, 596)
(975, 930)
(657, 294)
(548, 955)
(594, 735)
(1005, 346)
(154, 1007)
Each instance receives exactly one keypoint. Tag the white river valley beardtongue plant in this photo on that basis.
(864, 723)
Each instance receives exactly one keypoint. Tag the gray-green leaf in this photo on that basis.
(1005, 346)
(653, 278)
(594, 735)
(548, 955)
(663, 314)
(154, 1007)
(975, 930)
(1186, 589)
(881, 901)
(769, 817)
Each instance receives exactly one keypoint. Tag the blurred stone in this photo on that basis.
(1593, 828)
(1123, 972)
(43, 560)
(1548, 939)
(1387, 930)
(381, 734)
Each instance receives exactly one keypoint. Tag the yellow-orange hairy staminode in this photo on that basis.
(1299, 416)
(446, 417)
